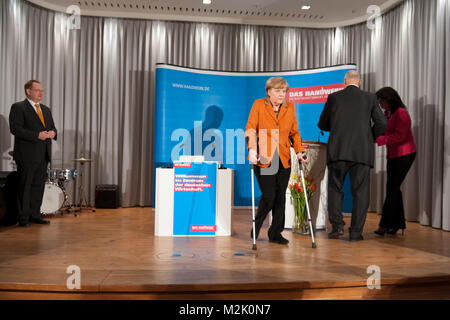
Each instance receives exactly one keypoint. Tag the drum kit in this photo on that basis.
(55, 197)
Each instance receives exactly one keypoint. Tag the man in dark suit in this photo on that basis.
(354, 120)
(32, 125)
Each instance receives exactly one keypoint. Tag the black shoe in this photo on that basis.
(39, 221)
(335, 233)
(280, 240)
(356, 237)
(23, 224)
(381, 231)
(394, 231)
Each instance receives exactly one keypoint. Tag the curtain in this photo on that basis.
(414, 59)
(99, 81)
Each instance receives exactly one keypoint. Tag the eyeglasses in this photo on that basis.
(37, 90)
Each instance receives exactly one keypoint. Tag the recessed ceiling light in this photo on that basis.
(206, 1)
(306, 7)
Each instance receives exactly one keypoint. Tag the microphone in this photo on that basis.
(169, 164)
(321, 133)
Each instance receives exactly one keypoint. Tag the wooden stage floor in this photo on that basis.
(120, 258)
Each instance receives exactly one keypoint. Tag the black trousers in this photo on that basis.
(393, 216)
(30, 189)
(273, 188)
(360, 186)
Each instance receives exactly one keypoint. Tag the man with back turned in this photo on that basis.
(32, 125)
(354, 120)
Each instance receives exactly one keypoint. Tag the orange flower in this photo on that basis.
(313, 188)
(301, 190)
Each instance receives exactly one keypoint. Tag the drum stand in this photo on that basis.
(83, 198)
(66, 206)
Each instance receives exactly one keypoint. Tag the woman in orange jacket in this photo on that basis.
(271, 127)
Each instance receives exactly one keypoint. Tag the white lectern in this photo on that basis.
(164, 199)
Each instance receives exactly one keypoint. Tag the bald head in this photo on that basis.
(352, 78)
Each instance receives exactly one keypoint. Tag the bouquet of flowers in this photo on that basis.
(298, 198)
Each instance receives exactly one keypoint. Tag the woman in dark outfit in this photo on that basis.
(401, 152)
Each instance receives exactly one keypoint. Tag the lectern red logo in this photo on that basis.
(203, 227)
(182, 165)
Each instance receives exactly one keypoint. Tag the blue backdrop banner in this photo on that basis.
(203, 112)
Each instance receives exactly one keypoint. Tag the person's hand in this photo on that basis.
(302, 157)
(51, 134)
(381, 141)
(43, 135)
(253, 156)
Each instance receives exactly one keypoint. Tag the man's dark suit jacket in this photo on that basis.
(348, 116)
(25, 125)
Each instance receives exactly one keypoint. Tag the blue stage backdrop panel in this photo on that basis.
(204, 112)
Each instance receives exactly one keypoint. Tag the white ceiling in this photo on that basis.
(323, 13)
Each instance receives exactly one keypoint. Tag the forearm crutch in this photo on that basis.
(253, 200)
(307, 204)
(253, 208)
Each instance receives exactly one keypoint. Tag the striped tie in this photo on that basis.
(39, 112)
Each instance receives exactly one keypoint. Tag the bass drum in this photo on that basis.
(53, 198)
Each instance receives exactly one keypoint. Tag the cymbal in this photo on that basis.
(82, 160)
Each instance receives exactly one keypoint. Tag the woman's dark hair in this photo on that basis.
(392, 98)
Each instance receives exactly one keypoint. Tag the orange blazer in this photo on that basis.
(266, 132)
